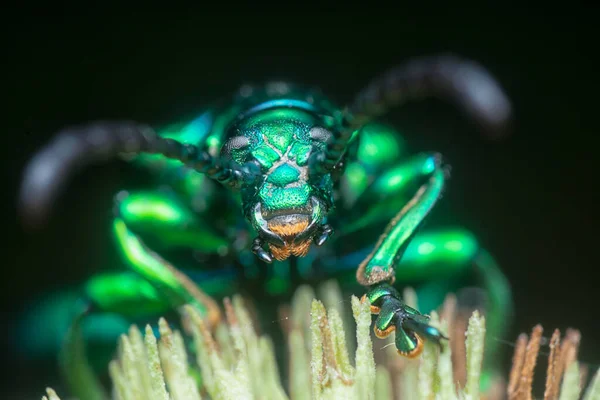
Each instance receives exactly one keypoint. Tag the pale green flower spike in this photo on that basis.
(300, 380)
(51, 395)
(571, 388)
(427, 369)
(444, 371)
(365, 363)
(475, 342)
(326, 362)
(158, 387)
(593, 392)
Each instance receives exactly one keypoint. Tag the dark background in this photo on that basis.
(529, 199)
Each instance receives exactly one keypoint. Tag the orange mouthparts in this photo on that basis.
(288, 230)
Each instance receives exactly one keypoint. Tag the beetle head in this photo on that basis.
(284, 204)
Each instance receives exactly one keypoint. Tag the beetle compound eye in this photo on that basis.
(236, 149)
(319, 133)
(235, 143)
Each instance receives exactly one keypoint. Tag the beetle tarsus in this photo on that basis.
(393, 315)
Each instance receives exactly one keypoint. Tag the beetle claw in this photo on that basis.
(325, 232)
(262, 254)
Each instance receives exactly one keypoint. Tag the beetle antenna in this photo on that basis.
(75, 148)
(464, 82)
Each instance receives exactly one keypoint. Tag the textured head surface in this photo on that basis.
(280, 141)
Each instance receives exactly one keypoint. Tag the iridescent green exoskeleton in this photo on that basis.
(274, 171)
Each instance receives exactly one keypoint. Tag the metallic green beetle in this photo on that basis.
(298, 167)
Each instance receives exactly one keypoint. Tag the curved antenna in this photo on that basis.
(464, 82)
(75, 148)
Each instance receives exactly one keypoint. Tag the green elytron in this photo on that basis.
(256, 186)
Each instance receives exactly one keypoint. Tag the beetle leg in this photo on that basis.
(379, 265)
(177, 287)
(377, 271)
(390, 190)
(111, 302)
(436, 262)
(444, 257)
(169, 223)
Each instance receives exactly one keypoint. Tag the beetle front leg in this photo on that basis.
(175, 226)
(377, 272)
